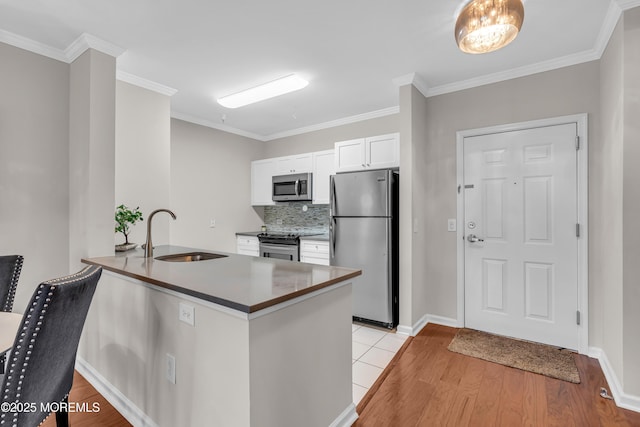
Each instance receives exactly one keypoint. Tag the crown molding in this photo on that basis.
(32, 46)
(87, 41)
(627, 4)
(68, 55)
(609, 25)
(553, 64)
(339, 122)
(144, 83)
(412, 79)
(219, 126)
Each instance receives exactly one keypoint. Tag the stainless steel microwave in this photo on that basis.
(292, 187)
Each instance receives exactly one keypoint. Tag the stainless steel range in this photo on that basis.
(280, 245)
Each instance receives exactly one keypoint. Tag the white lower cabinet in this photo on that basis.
(314, 251)
(247, 245)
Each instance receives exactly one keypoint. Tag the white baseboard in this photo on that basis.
(346, 418)
(137, 418)
(119, 401)
(622, 399)
(424, 320)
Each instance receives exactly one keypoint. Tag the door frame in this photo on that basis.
(581, 121)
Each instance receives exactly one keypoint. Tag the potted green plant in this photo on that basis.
(125, 218)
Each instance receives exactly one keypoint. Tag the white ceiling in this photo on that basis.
(350, 51)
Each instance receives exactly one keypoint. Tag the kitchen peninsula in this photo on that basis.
(270, 343)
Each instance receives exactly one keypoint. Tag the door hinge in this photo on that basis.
(577, 142)
(577, 317)
(578, 230)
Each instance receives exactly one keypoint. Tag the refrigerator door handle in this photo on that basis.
(332, 203)
(332, 236)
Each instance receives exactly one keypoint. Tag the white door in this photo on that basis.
(520, 201)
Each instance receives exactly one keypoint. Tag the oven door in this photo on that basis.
(274, 250)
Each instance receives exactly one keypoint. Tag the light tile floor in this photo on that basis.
(372, 350)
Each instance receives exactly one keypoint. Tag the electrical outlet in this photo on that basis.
(212, 223)
(451, 224)
(171, 368)
(279, 221)
(187, 314)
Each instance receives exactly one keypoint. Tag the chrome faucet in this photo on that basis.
(148, 249)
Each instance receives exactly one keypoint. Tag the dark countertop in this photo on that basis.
(244, 283)
(248, 233)
(319, 237)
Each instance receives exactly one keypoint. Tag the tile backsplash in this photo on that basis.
(291, 216)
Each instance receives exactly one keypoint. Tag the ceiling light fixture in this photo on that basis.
(487, 25)
(268, 90)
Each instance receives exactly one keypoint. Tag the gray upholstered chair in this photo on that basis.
(43, 356)
(10, 268)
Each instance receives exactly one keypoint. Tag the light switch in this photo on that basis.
(451, 224)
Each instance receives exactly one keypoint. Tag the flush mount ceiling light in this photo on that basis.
(268, 90)
(487, 25)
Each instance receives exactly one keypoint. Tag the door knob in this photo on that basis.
(473, 238)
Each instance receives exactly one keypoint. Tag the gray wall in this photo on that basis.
(605, 218)
(326, 138)
(211, 179)
(565, 91)
(423, 170)
(92, 109)
(143, 158)
(34, 166)
(631, 203)
(615, 205)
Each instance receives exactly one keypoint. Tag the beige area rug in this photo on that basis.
(528, 356)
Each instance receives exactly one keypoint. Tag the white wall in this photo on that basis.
(34, 166)
(211, 179)
(143, 158)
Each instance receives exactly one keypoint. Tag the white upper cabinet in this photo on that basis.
(383, 151)
(261, 173)
(378, 152)
(323, 168)
(320, 163)
(349, 155)
(300, 163)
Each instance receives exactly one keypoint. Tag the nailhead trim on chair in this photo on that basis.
(52, 285)
(8, 304)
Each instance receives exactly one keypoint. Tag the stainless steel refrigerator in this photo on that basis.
(363, 234)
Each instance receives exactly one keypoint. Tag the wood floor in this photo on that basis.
(427, 385)
(83, 392)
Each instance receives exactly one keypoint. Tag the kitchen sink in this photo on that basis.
(190, 257)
